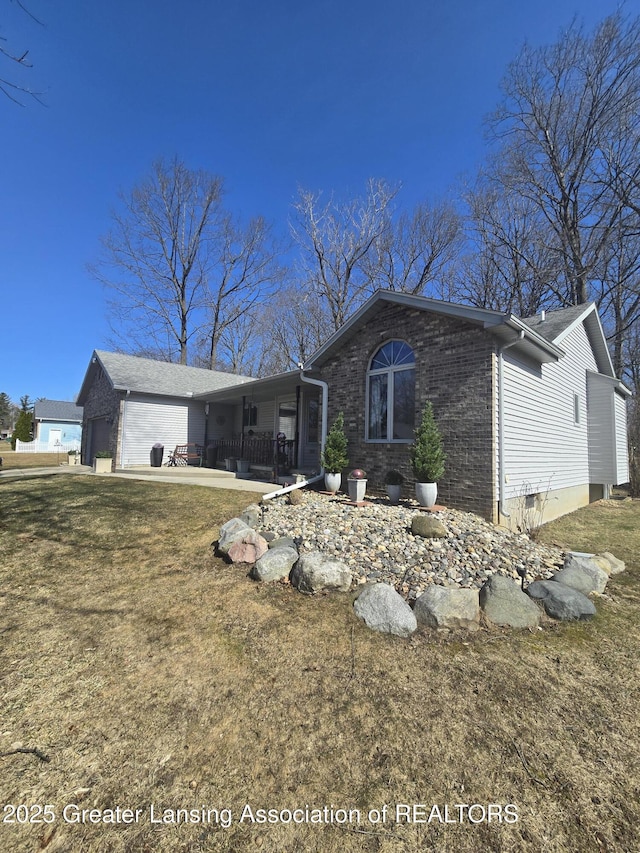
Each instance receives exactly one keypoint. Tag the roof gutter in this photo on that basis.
(501, 473)
(323, 438)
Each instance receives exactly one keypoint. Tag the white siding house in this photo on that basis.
(564, 422)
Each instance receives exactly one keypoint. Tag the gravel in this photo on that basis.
(376, 542)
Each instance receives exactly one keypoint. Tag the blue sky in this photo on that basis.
(268, 95)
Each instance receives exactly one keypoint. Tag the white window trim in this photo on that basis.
(387, 371)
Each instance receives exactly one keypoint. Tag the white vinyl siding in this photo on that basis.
(147, 420)
(622, 449)
(602, 455)
(544, 447)
(608, 456)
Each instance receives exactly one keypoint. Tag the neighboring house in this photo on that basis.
(56, 422)
(132, 403)
(531, 413)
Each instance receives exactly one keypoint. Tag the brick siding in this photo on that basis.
(454, 370)
(102, 402)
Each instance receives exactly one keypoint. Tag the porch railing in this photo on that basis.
(271, 452)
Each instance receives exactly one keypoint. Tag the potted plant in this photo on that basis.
(334, 455)
(102, 462)
(393, 484)
(74, 457)
(357, 484)
(427, 458)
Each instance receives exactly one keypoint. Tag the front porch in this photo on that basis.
(269, 427)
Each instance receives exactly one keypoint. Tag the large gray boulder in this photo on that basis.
(252, 516)
(316, 571)
(428, 527)
(283, 542)
(582, 573)
(448, 607)
(275, 565)
(615, 565)
(561, 602)
(506, 605)
(383, 609)
(231, 532)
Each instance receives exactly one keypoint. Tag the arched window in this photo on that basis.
(391, 382)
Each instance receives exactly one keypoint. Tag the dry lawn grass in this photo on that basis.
(12, 461)
(148, 671)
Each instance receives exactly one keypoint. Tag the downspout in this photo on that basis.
(501, 473)
(323, 437)
(124, 423)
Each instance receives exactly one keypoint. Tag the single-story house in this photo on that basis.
(531, 413)
(132, 403)
(57, 422)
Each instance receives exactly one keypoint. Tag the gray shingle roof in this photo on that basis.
(57, 410)
(128, 372)
(555, 322)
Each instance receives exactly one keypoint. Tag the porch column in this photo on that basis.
(244, 409)
(296, 437)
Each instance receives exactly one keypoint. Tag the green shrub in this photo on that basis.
(22, 430)
(427, 455)
(334, 456)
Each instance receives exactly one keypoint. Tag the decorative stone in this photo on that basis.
(506, 605)
(252, 516)
(383, 609)
(615, 565)
(375, 543)
(561, 602)
(248, 548)
(582, 573)
(448, 607)
(428, 527)
(275, 564)
(297, 497)
(316, 571)
(282, 542)
(230, 532)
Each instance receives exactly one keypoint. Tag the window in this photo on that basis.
(391, 393)
(250, 416)
(576, 408)
(313, 420)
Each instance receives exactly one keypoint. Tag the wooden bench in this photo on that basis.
(186, 454)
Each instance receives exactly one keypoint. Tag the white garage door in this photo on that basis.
(161, 421)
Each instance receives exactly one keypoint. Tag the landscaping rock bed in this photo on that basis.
(413, 569)
(376, 542)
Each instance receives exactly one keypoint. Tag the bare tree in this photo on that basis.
(244, 266)
(12, 90)
(564, 107)
(509, 265)
(415, 252)
(336, 239)
(290, 326)
(619, 291)
(156, 260)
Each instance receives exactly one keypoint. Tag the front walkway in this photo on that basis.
(188, 476)
(194, 476)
